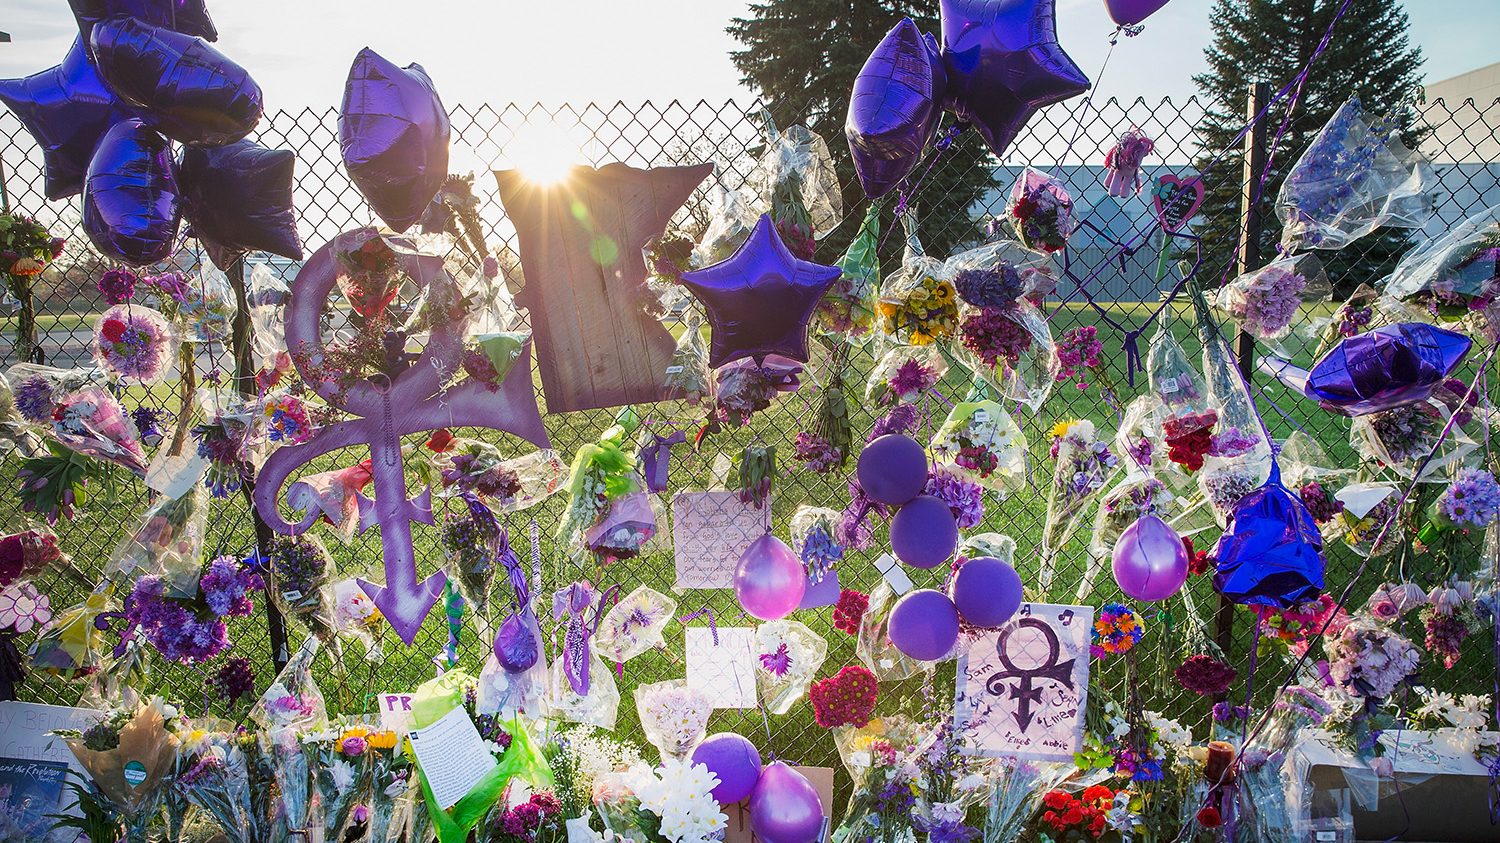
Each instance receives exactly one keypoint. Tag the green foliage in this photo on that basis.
(97, 818)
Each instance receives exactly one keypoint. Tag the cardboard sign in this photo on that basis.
(34, 763)
(1022, 688)
(739, 830)
(709, 532)
(395, 712)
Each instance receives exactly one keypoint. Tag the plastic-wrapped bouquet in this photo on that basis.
(228, 438)
(634, 625)
(291, 706)
(1471, 502)
(1266, 301)
(795, 179)
(1293, 629)
(1080, 360)
(25, 250)
(813, 538)
(981, 441)
(672, 803)
(848, 308)
(1122, 163)
(1455, 278)
(789, 655)
(1368, 518)
(905, 373)
(190, 629)
(883, 807)
(130, 753)
(673, 716)
(1004, 336)
(301, 579)
(91, 422)
(134, 343)
(1084, 464)
(1449, 618)
(1369, 659)
(918, 303)
(217, 773)
(602, 473)
(1041, 211)
(339, 771)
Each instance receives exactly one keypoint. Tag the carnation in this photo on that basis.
(1205, 675)
(846, 699)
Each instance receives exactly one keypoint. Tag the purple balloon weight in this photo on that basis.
(987, 591)
(393, 133)
(735, 760)
(895, 108)
(769, 580)
(184, 88)
(238, 199)
(132, 206)
(1132, 12)
(892, 469)
(1004, 64)
(1388, 367)
(190, 17)
(924, 532)
(924, 625)
(1272, 553)
(1150, 561)
(784, 806)
(760, 300)
(67, 109)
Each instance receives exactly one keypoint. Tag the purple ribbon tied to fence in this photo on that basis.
(574, 602)
(656, 457)
(385, 409)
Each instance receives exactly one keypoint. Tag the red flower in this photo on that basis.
(112, 330)
(847, 699)
(1198, 561)
(441, 440)
(1073, 816)
(1208, 817)
(850, 610)
(1098, 793)
(1056, 799)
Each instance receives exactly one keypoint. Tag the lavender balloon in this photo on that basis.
(892, 469)
(393, 133)
(784, 806)
(1004, 64)
(895, 108)
(190, 17)
(239, 199)
(1150, 561)
(760, 300)
(769, 580)
(924, 625)
(67, 109)
(1388, 367)
(924, 532)
(1132, 12)
(987, 591)
(184, 88)
(132, 206)
(736, 762)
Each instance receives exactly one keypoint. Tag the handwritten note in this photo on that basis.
(1022, 688)
(452, 756)
(725, 671)
(395, 712)
(709, 532)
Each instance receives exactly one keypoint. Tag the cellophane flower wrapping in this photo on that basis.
(883, 804)
(602, 472)
(393, 793)
(167, 544)
(1015, 795)
(873, 644)
(70, 646)
(1265, 769)
(1310, 473)
(1369, 517)
(1041, 211)
(731, 218)
(217, 773)
(788, 656)
(1083, 467)
(980, 441)
(918, 303)
(206, 311)
(1401, 438)
(130, 754)
(668, 804)
(814, 531)
(1454, 278)
(674, 716)
(267, 295)
(356, 617)
(36, 389)
(135, 343)
(301, 583)
(625, 529)
(1355, 177)
(291, 706)
(340, 771)
(1239, 458)
(599, 707)
(16, 434)
(904, 373)
(634, 625)
(687, 375)
(510, 695)
(232, 438)
(848, 308)
(91, 422)
(796, 183)
(1270, 303)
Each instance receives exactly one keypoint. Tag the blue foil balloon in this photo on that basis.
(181, 86)
(238, 199)
(895, 108)
(131, 204)
(1272, 553)
(67, 109)
(1004, 64)
(760, 300)
(189, 17)
(1390, 366)
(393, 133)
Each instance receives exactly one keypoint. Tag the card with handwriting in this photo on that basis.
(709, 532)
(724, 671)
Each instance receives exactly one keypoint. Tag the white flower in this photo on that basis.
(947, 812)
(1436, 705)
(1170, 732)
(970, 782)
(342, 774)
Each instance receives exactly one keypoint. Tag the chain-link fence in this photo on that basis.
(728, 134)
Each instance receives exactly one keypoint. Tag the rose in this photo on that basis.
(1384, 610)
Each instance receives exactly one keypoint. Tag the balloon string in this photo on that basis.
(713, 623)
(1083, 112)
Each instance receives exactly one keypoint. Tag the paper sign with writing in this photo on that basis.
(1022, 688)
(452, 755)
(395, 711)
(724, 672)
(32, 764)
(709, 532)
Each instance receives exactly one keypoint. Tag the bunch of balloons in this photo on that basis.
(784, 805)
(140, 77)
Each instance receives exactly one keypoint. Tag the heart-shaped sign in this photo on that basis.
(1177, 200)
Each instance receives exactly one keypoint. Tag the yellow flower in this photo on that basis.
(1060, 429)
(383, 740)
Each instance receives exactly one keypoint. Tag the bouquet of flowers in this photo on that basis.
(538, 819)
(370, 273)
(742, 388)
(795, 179)
(904, 374)
(1471, 502)
(473, 546)
(687, 375)
(228, 440)
(392, 791)
(634, 625)
(1171, 374)
(15, 432)
(334, 495)
(25, 250)
(1369, 659)
(355, 616)
(1294, 629)
(812, 534)
(847, 309)
(291, 706)
(168, 544)
(918, 304)
(981, 442)
(190, 629)
(580, 757)
(301, 578)
(672, 803)
(130, 754)
(602, 473)
(507, 485)
(673, 716)
(54, 483)
(134, 343)
(217, 774)
(883, 806)
(69, 646)
(731, 218)
(91, 422)
(1116, 631)
(1449, 618)
(206, 309)
(1041, 211)
(1402, 437)
(788, 657)
(1455, 278)
(1138, 494)
(339, 771)
(1084, 466)
(1016, 792)
(1266, 301)
(1367, 519)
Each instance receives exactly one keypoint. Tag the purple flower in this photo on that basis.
(1473, 501)
(35, 399)
(901, 419)
(233, 680)
(778, 663)
(117, 286)
(963, 496)
(998, 287)
(911, 379)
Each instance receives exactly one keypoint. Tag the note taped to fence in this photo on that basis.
(452, 756)
(709, 532)
(1022, 688)
(723, 671)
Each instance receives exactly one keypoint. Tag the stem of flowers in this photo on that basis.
(188, 386)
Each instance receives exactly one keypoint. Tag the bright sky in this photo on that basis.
(606, 50)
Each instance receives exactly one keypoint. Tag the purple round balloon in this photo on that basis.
(1132, 12)
(1004, 64)
(895, 108)
(190, 17)
(182, 87)
(892, 469)
(1388, 367)
(67, 109)
(769, 579)
(784, 806)
(393, 133)
(735, 760)
(1272, 553)
(760, 300)
(238, 199)
(924, 532)
(987, 591)
(924, 625)
(1150, 561)
(132, 206)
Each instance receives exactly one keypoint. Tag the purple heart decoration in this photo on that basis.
(1177, 200)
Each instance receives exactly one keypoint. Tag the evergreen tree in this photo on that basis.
(802, 57)
(1270, 41)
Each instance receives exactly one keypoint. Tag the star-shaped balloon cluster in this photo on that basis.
(141, 77)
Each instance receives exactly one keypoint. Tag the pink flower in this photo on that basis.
(1383, 767)
(22, 607)
(1385, 610)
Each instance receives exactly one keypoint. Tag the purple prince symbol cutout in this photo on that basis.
(388, 408)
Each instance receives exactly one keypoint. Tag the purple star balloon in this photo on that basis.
(67, 109)
(184, 88)
(895, 107)
(1004, 64)
(238, 198)
(393, 133)
(132, 206)
(760, 300)
(1378, 370)
(189, 17)
(1272, 553)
